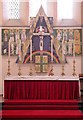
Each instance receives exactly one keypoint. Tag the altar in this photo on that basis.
(41, 87)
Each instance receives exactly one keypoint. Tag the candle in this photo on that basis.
(73, 50)
(30, 49)
(51, 49)
(19, 49)
(9, 50)
(63, 48)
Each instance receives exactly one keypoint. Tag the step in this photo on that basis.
(74, 114)
(41, 102)
(40, 107)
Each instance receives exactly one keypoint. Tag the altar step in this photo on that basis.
(40, 102)
(40, 107)
(41, 110)
(42, 115)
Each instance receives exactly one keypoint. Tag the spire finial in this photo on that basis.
(41, 2)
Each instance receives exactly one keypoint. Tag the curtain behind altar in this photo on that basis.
(41, 89)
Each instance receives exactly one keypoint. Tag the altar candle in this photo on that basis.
(51, 50)
(19, 49)
(63, 49)
(9, 50)
(31, 50)
(73, 50)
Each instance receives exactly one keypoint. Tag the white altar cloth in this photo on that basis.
(70, 78)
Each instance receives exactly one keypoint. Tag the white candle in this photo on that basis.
(19, 49)
(73, 50)
(63, 49)
(31, 50)
(9, 49)
(51, 49)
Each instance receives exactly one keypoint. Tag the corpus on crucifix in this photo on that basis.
(41, 43)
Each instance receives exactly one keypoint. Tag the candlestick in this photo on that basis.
(51, 72)
(74, 68)
(8, 72)
(63, 56)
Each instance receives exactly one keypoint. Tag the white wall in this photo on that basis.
(52, 10)
(1, 82)
(0, 13)
(77, 13)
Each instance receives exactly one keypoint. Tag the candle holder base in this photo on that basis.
(63, 74)
(19, 74)
(30, 73)
(74, 74)
(51, 73)
(8, 73)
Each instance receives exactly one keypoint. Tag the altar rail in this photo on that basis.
(41, 88)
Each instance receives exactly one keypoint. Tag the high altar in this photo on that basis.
(41, 87)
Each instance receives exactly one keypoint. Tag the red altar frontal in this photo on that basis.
(41, 87)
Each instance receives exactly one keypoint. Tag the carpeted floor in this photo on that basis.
(40, 105)
(41, 109)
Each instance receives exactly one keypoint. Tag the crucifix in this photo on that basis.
(41, 43)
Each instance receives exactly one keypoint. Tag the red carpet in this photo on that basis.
(42, 114)
(40, 105)
(41, 109)
(41, 102)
